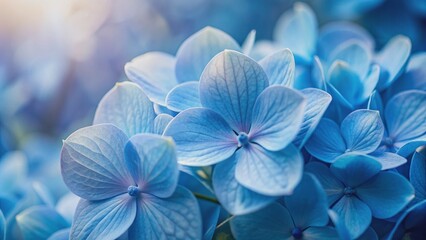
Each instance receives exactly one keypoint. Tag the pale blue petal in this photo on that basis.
(63, 234)
(267, 172)
(13, 172)
(2, 226)
(92, 162)
(235, 198)
(194, 54)
(249, 42)
(354, 169)
(370, 82)
(263, 48)
(326, 142)
(161, 122)
(297, 30)
(151, 159)
(362, 130)
(272, 222)
(375, 102)
(339, 100)
(66, 206)
(317, 74)
(230, 86)
(317, 103)
(159, 109)
(202, 137)
(347, 82)
(39, 222)
(154, 72)
(389, 160)
(418, 174)
(127, 107)
(308, 204)
(319, 233)
(277, 117)
(176, 217)
(413, 77)
(392, 59)
(105, 219)
(354, 214)
(183, 96)
(405, 115)
(386, 194)
(279, 67)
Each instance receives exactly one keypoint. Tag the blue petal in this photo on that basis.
(154, 72)
(202, 137)
(92, 162)
(161, 122)
(355, 214)
(392, 59)
(279, 67)
(411, 221)
(297, 30)
(386, 194)
(210, 213)
(418, 174)
(316, 233)
(151, 159)
(413, 78)
(249, 42)
(370, 82)
(13, 172)
(230, 86)
(332, 186)
(388, 160)
(362, 130)
(326, 142)
(39, 222)
(375, 102)
(183, 96)
(269, 173)
(2, 226)
(263, 48)
(308, 204)
(369, 234)
(317, 74)
(272, 222)
(127, 107)
(317, 104)
(194, 54)
(66, 206)
(105, 219)
(277, 116)
(355, 169)
(176, 217)
(235, 198)
(62, 234)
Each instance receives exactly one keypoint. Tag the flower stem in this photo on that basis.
(207, 198)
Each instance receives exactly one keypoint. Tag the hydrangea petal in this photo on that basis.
(230, 86)
(375, 102)
(160, 123)
(418, 174)
(176, 217)
(234, 197)
(194, 54)
(277, 116)
(92, 162)
(105, 219)
(154, 72)
(388, 160)
(315, 233)
(386, 194)
(279, 67)
(13, 171)
(347, 82)
(370, 83)
(151, 159)
(413, 77)
(183, 96)
(2, 226)
(263, 48)
(62, 234)
(412, 221)
(317, 74)
(249, 42)
(202, 137)
(127, 107)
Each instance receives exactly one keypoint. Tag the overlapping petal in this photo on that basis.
(2, 226)
(183, 96)
(347, 82)
(332, 186)
(418, 174)
(160, 123)
(279, 67)
(317, 233)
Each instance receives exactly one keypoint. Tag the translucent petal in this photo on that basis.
(161, 122)
(249, 42)
(183, 96)
(279, 67)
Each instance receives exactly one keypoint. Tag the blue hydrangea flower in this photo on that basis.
(357, 190)
(303, 216)
(127, 185)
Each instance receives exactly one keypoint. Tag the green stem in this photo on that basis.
(207, 198)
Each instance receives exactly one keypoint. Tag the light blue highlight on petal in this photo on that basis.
(279, 67)
(183, 96)
(2, 226)
(249, 42)
(160, 123)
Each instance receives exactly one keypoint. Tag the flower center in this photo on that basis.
(297, 233)
(388, 142)
(348, 191)
(243, 139)
(133, 191)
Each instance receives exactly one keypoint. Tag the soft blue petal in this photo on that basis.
(263, 48)
(39, 222)
(105, 219)
(269, 173)
(279, 67)
(154, 72)
(235, 198)
(272, 222)
(339, 101)
(127, 107)
(362, 130)
(176, 217)
(161, 122)
(308, 204)
(326, 142)
(318, 233)
(202, 137)
(317, 74)
(13, 172)
(249, 42)
(183, 96)
(392, 59)
(355, 169)
(277, 117)
(407, 147)
(386, 194)
(418, 174)
(332, 186)
(2, 226)
(317, 103)
(210, 213)
(159, 109)
(413, 77)
(92, 162)
(411, 221)
(151, 159)
(230, 86)
(66, 206)
(62, 234)
(194, 54)
(405, 115)
(375, 102)
(354, 214)
(297, 30)
(389, 160)
(370, 82)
